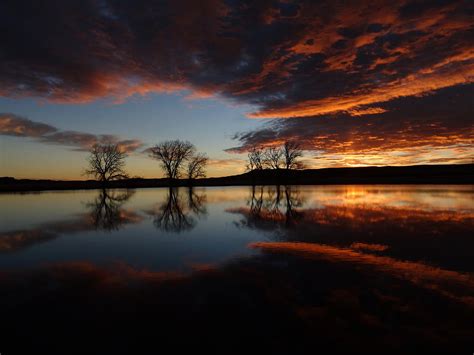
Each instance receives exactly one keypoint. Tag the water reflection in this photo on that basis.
(452, 284)
(350, 268)
(178, 213)
(271, 208)
(400, 222)
(279, 302)
(106, 212)
(12, 241)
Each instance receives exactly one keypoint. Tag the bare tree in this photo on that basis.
(172, 155)
(107, 162)
(196, 166)
(291, 153)
(255, 159)
(273, 157)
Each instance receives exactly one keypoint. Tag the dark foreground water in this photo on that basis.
(382, 269)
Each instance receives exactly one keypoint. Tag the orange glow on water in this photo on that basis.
(440, 280)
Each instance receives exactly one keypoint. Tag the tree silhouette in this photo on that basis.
(107, 162)
(172, 155)
(196, 166)
(256, 159)
(291, 153)
(273, 157)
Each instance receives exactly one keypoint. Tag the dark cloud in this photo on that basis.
(286, 58)
(13, 125)
(403, 129)
(248, 51)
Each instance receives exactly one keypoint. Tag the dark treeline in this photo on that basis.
(180, 160)
(284, 157)
(177, 159)
(182, 165)
(418, 174)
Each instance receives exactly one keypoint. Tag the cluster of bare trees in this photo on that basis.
(180, 158)
(284, 157)
(177, 158)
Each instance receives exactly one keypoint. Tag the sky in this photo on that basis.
(356, 83)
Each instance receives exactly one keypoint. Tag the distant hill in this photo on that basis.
(416, 174)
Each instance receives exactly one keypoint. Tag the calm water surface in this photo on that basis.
(343, 266)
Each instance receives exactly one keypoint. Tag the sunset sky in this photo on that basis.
(355, 82)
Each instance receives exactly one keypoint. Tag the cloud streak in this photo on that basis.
(433, 129)
(13, 125)
(326, 62)
(290, 59)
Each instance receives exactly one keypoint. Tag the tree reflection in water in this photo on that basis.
(379, 220)
(178, 213)
(350, 271)
(106, 210)
(197, 202)
(271, 207)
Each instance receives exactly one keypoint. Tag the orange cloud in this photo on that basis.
(412, 85)
(431, 129)
(369, 247)
(451, 284)
(366, 111)
(13, 125)
(291, 60)
(285, 60)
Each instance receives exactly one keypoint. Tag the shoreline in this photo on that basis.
(462, 174)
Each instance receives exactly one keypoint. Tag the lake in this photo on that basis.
(281, 268)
